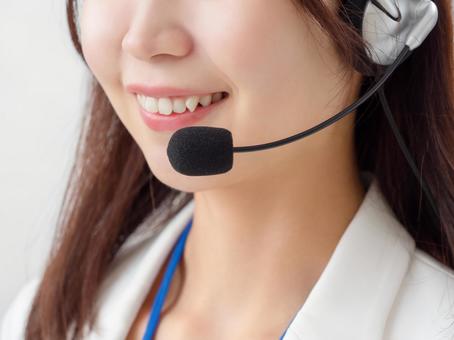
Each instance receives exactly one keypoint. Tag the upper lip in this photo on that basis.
(165, 91)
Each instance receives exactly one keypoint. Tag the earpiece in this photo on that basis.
(389, 28)
(388, 25)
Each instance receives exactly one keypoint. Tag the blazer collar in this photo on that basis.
(350, 301)
(355, 292)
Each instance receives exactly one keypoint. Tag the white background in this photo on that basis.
(43, 84)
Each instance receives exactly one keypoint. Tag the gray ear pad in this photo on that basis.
(377, 29)
(388, 25)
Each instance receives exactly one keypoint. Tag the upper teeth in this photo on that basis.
(166, 105)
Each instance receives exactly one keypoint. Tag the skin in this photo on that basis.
(264, 231)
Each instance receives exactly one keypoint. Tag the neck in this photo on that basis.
(265, 242)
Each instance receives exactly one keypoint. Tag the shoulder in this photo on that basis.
(424, 306)
(15, 317)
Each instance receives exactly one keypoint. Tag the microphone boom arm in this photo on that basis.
(402, 56)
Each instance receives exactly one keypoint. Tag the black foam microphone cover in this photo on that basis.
(201, 150)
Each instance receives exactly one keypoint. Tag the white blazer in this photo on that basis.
(376, 285)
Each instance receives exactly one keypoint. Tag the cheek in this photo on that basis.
(269, 52)
(100, 40)
(101, 47)
(245, 46)
(264, 47)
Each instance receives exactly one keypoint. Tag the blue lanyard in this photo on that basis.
(164, 287)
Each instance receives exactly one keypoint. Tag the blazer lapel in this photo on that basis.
(354, 294)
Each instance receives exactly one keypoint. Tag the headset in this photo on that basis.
(392, 29)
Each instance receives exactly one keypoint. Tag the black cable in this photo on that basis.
(387, 73)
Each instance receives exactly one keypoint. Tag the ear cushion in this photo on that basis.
(354, 12)
(386, 36)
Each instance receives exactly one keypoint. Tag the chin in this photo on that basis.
(164, 172)
(191, 184)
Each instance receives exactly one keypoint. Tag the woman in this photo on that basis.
(328, 237)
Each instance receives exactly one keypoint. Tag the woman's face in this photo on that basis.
(280, 71)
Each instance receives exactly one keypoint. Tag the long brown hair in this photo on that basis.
(111, 189)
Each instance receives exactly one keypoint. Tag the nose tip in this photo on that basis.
(145, 46)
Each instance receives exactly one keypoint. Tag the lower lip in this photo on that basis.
(175, 121)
